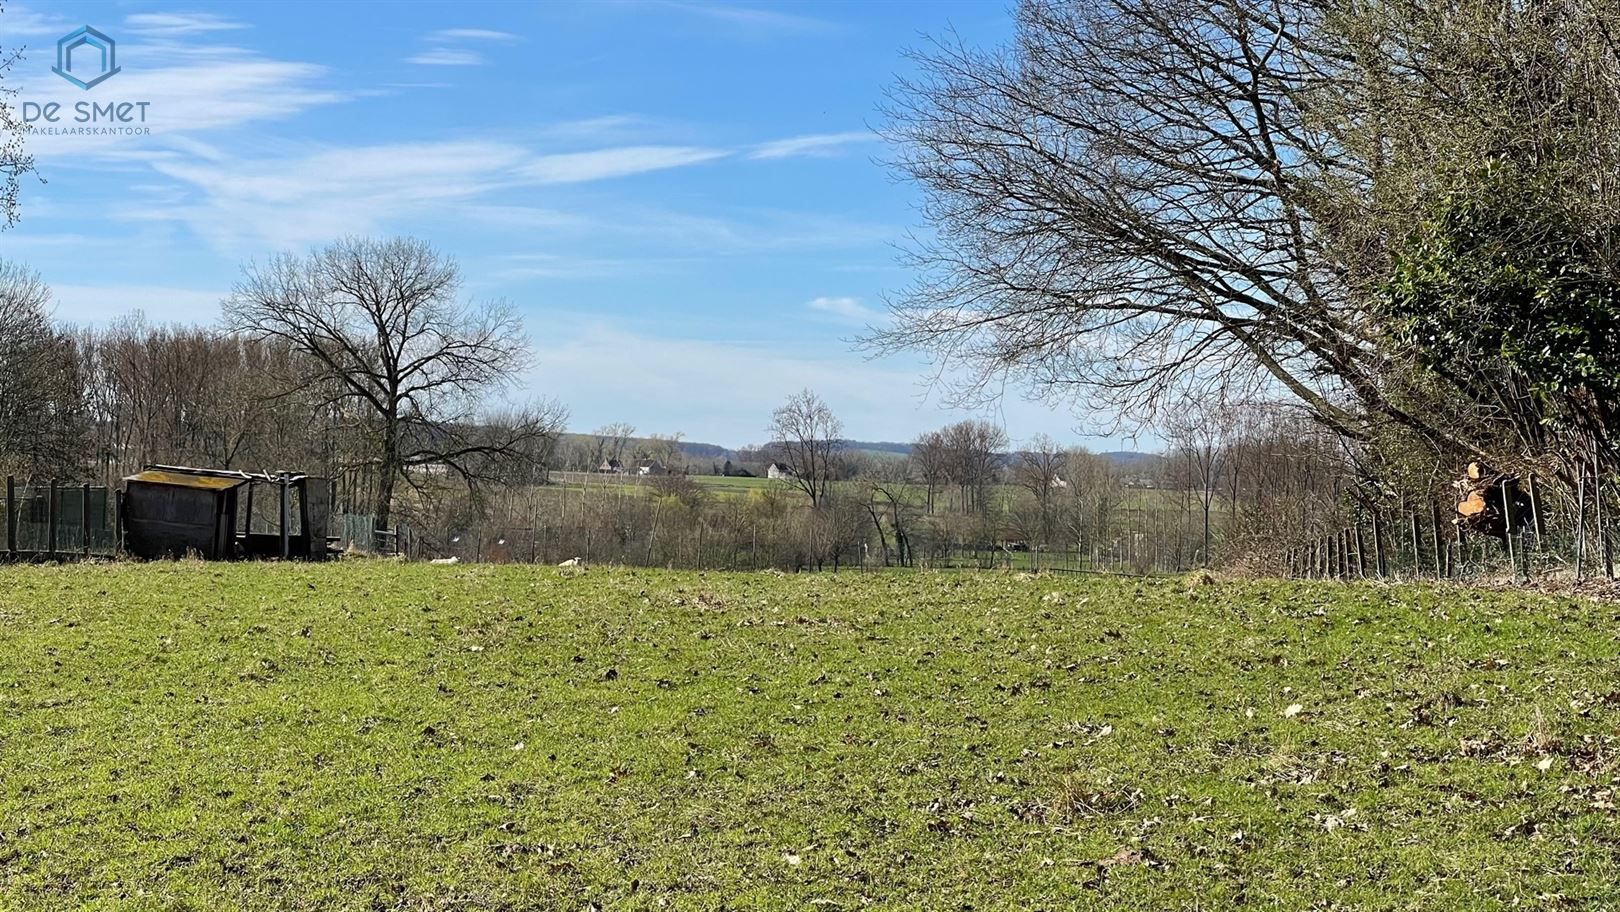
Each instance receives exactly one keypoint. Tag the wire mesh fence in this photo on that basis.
(61, 520)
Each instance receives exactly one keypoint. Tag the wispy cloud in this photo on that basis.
(293, 200)
(444, 56)
(750, 17)
(189, 91)
(849, 310)
(449, 46)
(599, 164)
(472, 34)
(812, 144)
(296, 200)
(22, 22)
(174, 25)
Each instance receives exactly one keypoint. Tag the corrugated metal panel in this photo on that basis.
(184, 480)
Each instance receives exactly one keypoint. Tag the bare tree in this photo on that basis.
(973, 457)
(1197, 435)
(807, 437)
(1130, 199)
(929, 457)
(41, 387)
(610, 440)
(1039, 470)
(387, 337)
(14, 158)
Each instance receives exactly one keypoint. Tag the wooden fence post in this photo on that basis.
(1440, 548)
(1536, 521)
(1580, 523)
(1417, 549)
(11, 515)
(50, 520)
(1361, 550)
(1507, 534)
(1378, 545)
(286, 543)
(84, 517)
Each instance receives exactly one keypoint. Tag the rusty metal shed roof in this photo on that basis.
(188, 480)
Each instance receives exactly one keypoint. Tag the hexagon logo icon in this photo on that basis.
(95, 60)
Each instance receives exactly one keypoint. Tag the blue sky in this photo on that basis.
(685, 200)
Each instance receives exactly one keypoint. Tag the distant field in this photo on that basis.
(384, 736)
(1001, 496)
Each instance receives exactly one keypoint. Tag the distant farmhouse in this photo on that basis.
(778, 470)
(611, 467)
(651, 467)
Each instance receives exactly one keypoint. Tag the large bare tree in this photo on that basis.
(403, 357)
(1138, 197)
(807, 437)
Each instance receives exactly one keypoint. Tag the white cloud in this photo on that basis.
(443, 56)
(472, 34)
(813, 144)
(198, 90)
(599, 164)
(750, 18)
(293, 201)
(20, 21)
(174, 25)
(849, 310)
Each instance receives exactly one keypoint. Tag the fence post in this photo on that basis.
(118, 523)
(1439, 546)
(1507, 534)
(1580, 523)
(50, 520)
(1361, 550)
(84, 517)
(1536, 521)
(11, 515)
(1417, 549)
(1602, 530)
(1378, 545)
(286, 544)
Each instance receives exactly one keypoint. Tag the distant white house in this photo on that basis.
(611, 467)
(650, 467)
(778, 470)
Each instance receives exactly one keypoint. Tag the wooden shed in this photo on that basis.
(170, 513)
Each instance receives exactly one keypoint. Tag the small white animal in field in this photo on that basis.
(571, 562)
(445, 560)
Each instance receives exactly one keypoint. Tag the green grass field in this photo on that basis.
(383, 736)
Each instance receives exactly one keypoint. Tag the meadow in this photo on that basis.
(371, 735)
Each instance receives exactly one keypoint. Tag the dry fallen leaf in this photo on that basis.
(1293, 710)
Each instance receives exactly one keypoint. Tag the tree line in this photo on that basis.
(359, 361)
(1395, 219)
